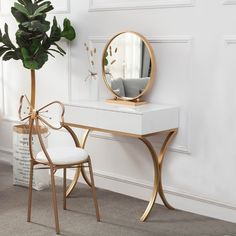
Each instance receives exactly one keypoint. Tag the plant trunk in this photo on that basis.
(33, 84)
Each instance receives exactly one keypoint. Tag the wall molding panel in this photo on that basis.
(65, 8)
(169, 39)
(114, 5)
(6, 150)
(230, 39)
(173, 148)
(229, 2)
(152, 39)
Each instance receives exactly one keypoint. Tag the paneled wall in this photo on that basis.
(195, 47)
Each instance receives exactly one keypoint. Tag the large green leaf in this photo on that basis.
(22, 38)
(20, 17)
(31, 64)
(68, 31)
(34, 62)
(10, 55)
(25, 2)
(48, 5)
(50, 8)
(46, 44)
(6, 40)
(37, 62)
(55, 31)
(3, 49)
(21, 8)
(41, 8)
(18, 53)
(38, 1)
(36, 25)
(57, 51)
(25, 54)
(35, 46)
(59, 48)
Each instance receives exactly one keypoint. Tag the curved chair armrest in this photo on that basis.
(73, 135)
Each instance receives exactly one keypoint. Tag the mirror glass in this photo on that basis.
(127, 65)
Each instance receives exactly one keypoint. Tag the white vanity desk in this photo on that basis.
(137, 122)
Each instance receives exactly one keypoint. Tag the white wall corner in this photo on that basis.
(111, 5)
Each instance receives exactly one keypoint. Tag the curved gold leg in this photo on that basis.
(157, 163)
(81, 144)
(73, 183)
(163, 198)
(156, 182)
(87, 180)
(160, 160)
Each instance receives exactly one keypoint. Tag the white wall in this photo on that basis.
(195, 47)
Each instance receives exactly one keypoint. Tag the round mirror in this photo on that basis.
(128, 66)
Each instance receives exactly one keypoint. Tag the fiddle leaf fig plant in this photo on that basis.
(36, 37)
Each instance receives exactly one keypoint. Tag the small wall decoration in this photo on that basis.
(91, 51)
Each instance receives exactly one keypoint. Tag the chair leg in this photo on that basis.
(94, 190)
(64, 188)
(30, 191)
(54, 201)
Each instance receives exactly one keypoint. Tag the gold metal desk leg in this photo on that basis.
(160, 161)
(156, 181)
(73, 183)
(81, 144)
(157, 163)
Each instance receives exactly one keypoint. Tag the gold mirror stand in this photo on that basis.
(136, 102)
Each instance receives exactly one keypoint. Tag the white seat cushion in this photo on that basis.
(63, 155)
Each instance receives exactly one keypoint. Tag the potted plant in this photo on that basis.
(36, 40)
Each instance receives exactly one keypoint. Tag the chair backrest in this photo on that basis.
(41, 120)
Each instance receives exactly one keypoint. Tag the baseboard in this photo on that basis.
(140, 189)
(6, 150)
(6, 154)
(179, 199)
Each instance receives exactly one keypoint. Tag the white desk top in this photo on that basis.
(141, 110)
(141, 120)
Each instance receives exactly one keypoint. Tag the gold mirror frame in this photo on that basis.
(135, 100)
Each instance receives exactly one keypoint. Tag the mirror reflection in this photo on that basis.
(127, 65)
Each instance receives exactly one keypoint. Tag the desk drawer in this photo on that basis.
(102, 119)
(143, 120)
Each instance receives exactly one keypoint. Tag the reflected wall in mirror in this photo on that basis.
(128, 66)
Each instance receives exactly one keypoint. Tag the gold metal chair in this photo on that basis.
(54, 158)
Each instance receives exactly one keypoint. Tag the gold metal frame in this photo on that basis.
(35, 128)
(136, 99)
(157, 158)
